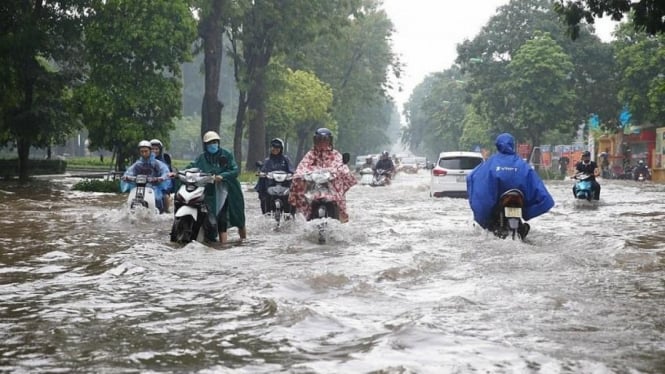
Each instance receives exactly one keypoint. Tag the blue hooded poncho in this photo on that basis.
(500, 173)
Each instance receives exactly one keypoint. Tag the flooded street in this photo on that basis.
(409, 285)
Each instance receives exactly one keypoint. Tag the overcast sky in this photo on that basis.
(428, 31)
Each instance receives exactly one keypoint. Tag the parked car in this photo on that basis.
(448, 176)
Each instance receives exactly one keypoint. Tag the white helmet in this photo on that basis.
(210, 136)
(144, 143)
(156, 142)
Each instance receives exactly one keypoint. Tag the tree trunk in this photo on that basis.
(211, 31)
(240, 126)
(23, 148)
(256, 105)
(302, 141)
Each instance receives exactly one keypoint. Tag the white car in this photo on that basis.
(448, 176)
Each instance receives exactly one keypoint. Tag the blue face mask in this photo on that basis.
(212, 148)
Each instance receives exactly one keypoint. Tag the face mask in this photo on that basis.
(212, 148)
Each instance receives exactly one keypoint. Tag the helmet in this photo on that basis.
(641, 162)
(323, 133)
(144, 144)
(385, 154)
(210, 136)
(157, 143)
(277, 143)
(586, 154)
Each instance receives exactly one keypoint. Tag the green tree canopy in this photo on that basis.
(641, 64)
(541, 95)
(40, 49)
(485, 61)
(649, 15)
(356, 62)
(133, 92)
(435, 116)
(301, 103)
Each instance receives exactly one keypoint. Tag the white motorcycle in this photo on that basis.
(320, 196)
(191, 211)
(141, 193)
(381, 178)
(366, 176)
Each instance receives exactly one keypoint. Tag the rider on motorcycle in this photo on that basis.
(590, 168)
(169, 186)
(369, 163)
(641, 168)
(503, 171)
(385, 163)
(224, 198)
(277, 161)
(322, 155)
(153, 168)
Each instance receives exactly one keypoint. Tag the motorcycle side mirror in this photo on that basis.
(346, 156)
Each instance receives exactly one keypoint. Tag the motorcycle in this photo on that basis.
(190, 209)
(381, 178)
(366, 176)
(640, 175)
(278, 194)
(583, 187)
(321, 196)
(508, 216)
(141, 194)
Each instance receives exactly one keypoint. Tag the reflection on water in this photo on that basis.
(408, 285)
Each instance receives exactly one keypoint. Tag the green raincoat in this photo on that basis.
(222, 163)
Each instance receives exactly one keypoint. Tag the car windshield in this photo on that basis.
(464, 163)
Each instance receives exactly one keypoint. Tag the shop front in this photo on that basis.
(658, 160)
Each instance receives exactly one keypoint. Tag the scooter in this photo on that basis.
(640, 175)
(141, 194)
(366, 176)
(509, 216)
(381, 178)
(190, 209)
(278, 194)
(320, 195)
(583, 187)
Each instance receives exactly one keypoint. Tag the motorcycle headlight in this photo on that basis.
(279, 177)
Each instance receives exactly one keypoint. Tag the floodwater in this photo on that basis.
(409, 285)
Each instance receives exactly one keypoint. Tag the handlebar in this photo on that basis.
(142, 179)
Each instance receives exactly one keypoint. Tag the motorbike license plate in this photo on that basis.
(461, 179)
(513, 212)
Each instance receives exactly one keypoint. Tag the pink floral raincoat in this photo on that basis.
(316, 159)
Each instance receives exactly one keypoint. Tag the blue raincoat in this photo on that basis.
(152, 168)
(500, 173)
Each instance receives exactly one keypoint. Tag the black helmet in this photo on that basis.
(586, 154)
(323, 133)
